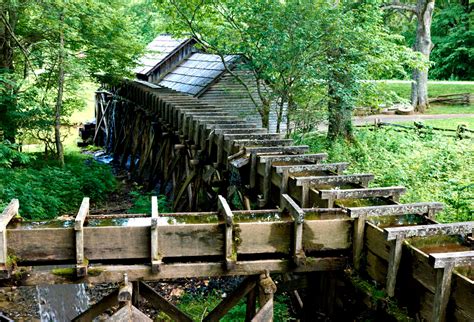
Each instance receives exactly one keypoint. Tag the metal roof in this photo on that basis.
(196, 72)
(156, 51)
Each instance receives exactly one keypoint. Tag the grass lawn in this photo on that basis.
(403, 89)
(451, 123)
(451, 109)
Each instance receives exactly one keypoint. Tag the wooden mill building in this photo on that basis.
(179, 65)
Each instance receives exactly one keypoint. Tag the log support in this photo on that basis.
(229, 247)
(155, 254)
(297, 214)
(8, 213)
(81, 262)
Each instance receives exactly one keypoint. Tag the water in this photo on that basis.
(61, 302)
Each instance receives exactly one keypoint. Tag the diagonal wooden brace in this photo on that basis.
(81, 263)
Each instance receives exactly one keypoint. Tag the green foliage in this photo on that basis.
(433, 168)
(142, 203)
(10, 156)
(46, 191)
(453, 53)
(198, 307)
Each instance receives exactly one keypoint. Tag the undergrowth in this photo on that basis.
(142, 203)
(46, 190)
(432, 167)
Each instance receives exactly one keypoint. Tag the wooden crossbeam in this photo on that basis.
(461, 228)
(361, 193)
(336, 167)
(419, 208)
(81, 264)
(441, 260)
(10, 211)
(295, 149)
(312, 158)
(362, 179)
(264, 142)
(98, 308)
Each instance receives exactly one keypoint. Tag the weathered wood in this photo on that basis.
(313, 158)
(232, 300)
(393, 265)
(114, 273)
(230, 253)
(442, 293)
(98, 308)
(361, 193)
(265, 314)
(361, 179)
(298, 218)
(8, 213)
(155, 255)
(251, 303)
(81, 264)
(266, 290)
(125, 292)
(267, 182)
(129, 313)
(162, 304)
(441, 260)
(336, 167)
(412, 208)
(263, 143)
(358, 244)
(460, 228)
(277, 149)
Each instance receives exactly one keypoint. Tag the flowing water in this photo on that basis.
(61, 302)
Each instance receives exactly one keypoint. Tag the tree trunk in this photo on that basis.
(423, 44)
(264, 112)
(59, 101)
(7, 124)
(340, 116)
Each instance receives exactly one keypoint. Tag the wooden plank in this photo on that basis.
(443, 291)
(263, 143)
(441, 260)
(81, 265)
(460, 228)
(295, 149)
(232, 300)
(265, 314)
(412, 208)
(359, 233)
(125, 292)
(251, 305)
(327, 235)
(336, 167)
(230, 253)
(129, 313)
(361, 193)
(362, 179)
(162, 304)
(155, 255)
(98, 308)
(8, 213)
(114, 273)
(313, 158)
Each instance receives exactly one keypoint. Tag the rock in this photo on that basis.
(403, 109)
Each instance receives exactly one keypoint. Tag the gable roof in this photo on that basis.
(157, 51)
(196, 72)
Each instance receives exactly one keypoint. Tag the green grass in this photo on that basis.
(451, 109)
(87, 113)
(403, 89)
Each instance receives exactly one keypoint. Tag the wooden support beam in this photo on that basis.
(267, 183)
(442, 292)
(266, 290)
(362, 179)
(8, 213)
(393, 265)
(459, 228)
(230, 251)
(358, 241)
(162, 304)
(81, 262)
(361, 193)
(98, 308)
(297, 213)
(263, 143)
(336, 167)
(125, 292)
(155, 254)
(295, 149)
(412, 208)
(232, 300)
(251, 304)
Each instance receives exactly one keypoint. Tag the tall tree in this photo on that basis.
(423, 11)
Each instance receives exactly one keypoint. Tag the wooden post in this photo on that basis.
(125, 291)
(393, 265)
(359, 232)
(81, 263)
(155, 255)
(267, 182)
(305, 195)
(229, 249)
(253, 170)
(284, 185)
(250, 305)
(297, 213)
(266, 290)
(8, 213)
